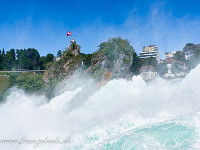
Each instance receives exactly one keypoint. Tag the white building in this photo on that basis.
(150, 51)
(181, 71)
(189, 50)
(57, 58)
(188, 53)
(169, 54)
(148, 72)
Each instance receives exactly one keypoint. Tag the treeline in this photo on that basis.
(28, 59)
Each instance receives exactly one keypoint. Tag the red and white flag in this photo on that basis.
(69, 33)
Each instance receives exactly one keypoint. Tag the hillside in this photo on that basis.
(5, 83)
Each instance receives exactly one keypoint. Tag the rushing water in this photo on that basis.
(120, 115)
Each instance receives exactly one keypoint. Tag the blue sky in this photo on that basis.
(43, 24)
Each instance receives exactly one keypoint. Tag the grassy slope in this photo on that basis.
(4, 83)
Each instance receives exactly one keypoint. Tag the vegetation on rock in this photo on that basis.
(117, 56)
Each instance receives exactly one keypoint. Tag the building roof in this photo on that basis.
(166, 53)
(192, 46)
(147, 68)
(172, 60)
(152, 45)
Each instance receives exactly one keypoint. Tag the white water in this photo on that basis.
(120, 109)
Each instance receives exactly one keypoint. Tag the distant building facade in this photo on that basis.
(189, 50)
(180, 71)
(169, 54)
(188, 53)
(150, 51)
(57, 58)
(148, 72)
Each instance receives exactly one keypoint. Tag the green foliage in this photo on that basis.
(3, 52)
(135, 64)
(109, 52)
(23, 59)
(180, 56)
(8, 60)
(1, 60)
(42, 62)
(98, 73)
(113, 46)
(59, 53)
(196, 53)
(49, 57)
(189, 44)
(176, 68)
(74, 46)
(33, 56)
(149, 61)
(58, 70)
(49, 88)
(87, 60)
(126, 60)
(46, 62)
(4, 83)
(68, 55)
(30, 82)
(162, 69)
(195, 59)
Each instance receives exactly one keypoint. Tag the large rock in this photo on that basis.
(116, 59)
(69, 64)
(113, 60)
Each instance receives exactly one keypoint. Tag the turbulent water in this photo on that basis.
(120, 115)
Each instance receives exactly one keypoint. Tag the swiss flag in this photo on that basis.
(69, 33)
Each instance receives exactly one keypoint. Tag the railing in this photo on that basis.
(25, 71)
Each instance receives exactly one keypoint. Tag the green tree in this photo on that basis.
(189, 44)
(135, 64)
(50, 58)
(59, 54)
(195, 58)
(114, 46)
(180, 56)
(162, 69)
(42, 62)
(87, 60)
(176, 68)
(3, 52)
(45, 62)
(8, 60)
(149, 61)
(12, 51)
(21, 58)
(1, 61)
(34, 56)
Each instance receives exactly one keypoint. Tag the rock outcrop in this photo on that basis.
(113, 60)
(115, 56)
(69, 64)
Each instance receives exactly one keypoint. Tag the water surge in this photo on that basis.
(120, 115)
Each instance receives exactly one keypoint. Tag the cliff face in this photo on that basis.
(113, 60)
(69, 63)
(115, 56)
(119, 67)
